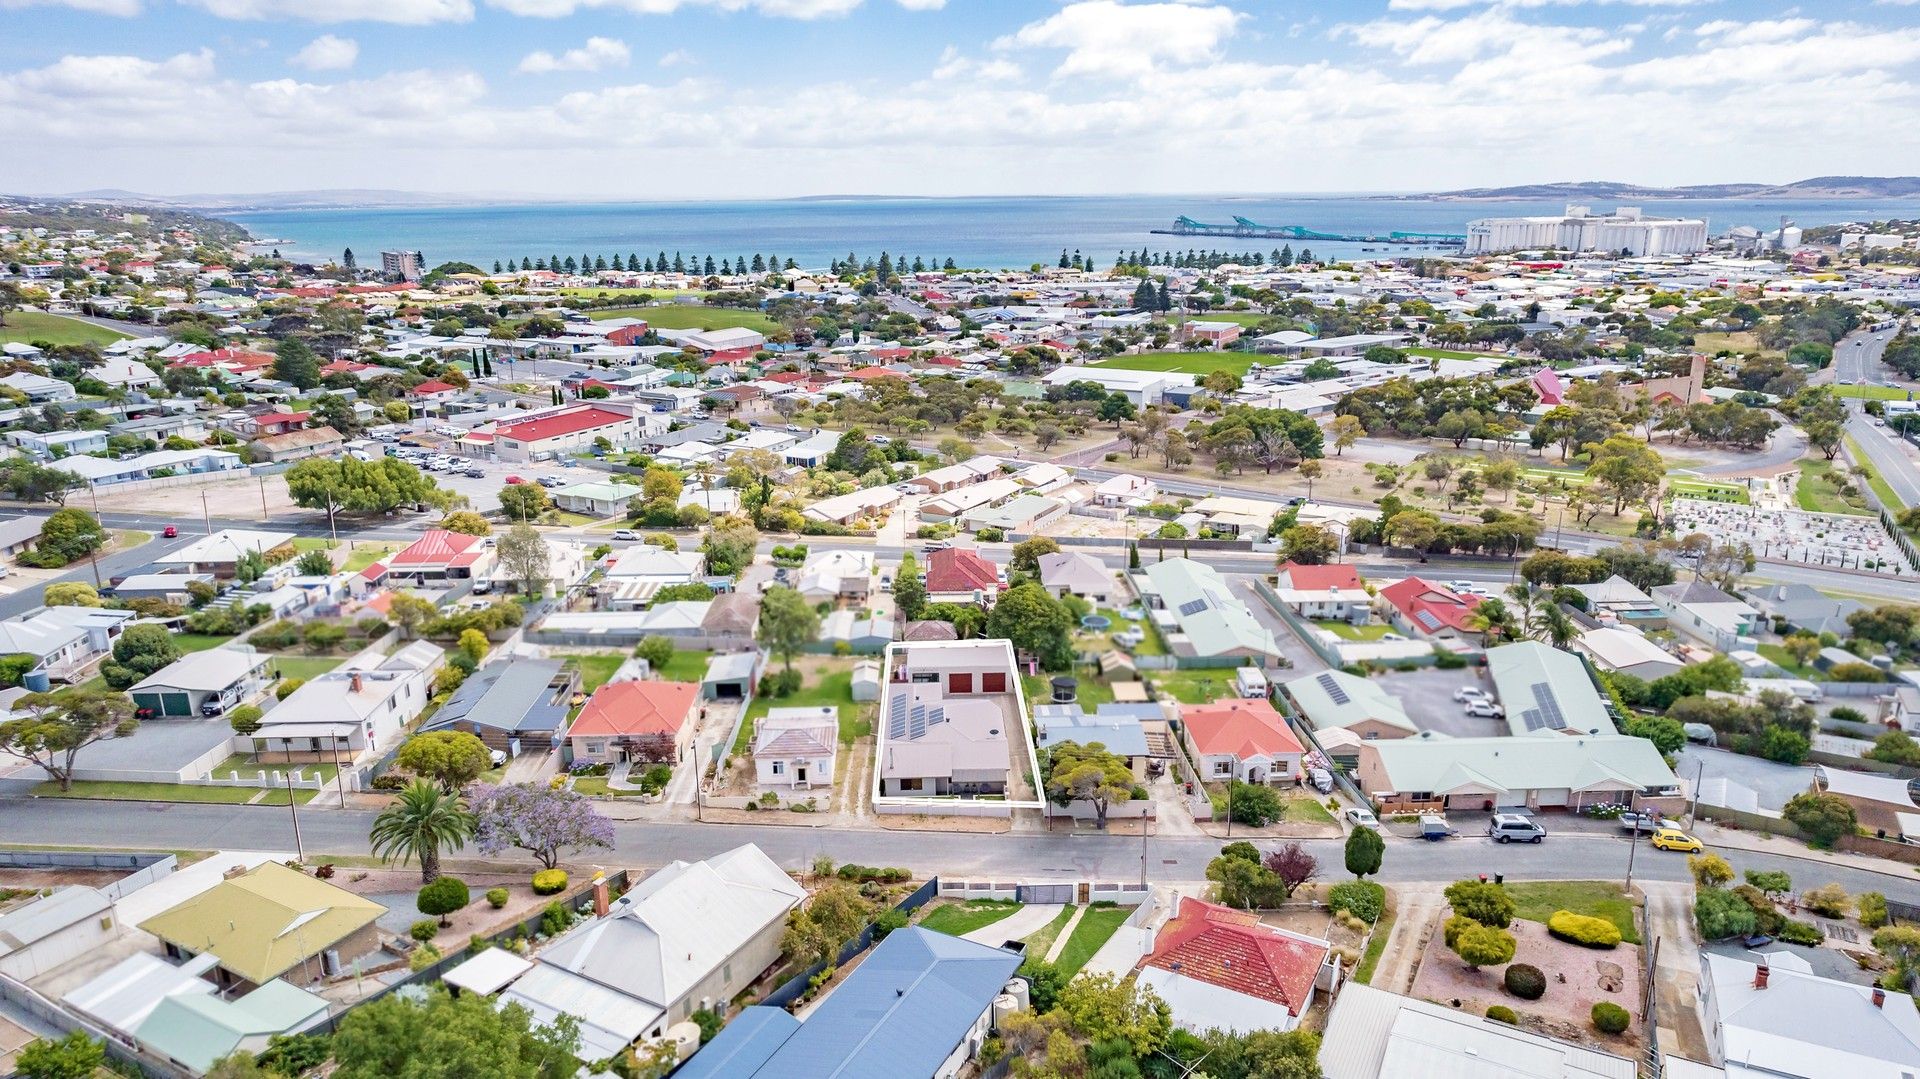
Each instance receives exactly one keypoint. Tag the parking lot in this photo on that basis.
(483, 492)
(1427, 696)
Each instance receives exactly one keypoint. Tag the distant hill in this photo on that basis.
(329, 199)
(1818, 187)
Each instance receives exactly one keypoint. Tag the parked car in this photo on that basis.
(1675, 839)
(1320, 779)
(1471, 693)
(1461, 586)
(1514, 827)
(1485, 710)
(553, 481)
(1643, 822)
(210, 707)
(1362, 818)
(497, 758)
(514, 481)
(626, 534)
(476, 473)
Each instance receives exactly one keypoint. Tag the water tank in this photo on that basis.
(36, 682)
(1018, 989)
(685, 1036)
(330, 962)
(1004, 1005)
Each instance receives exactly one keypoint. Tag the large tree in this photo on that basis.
(537, 819)
(1035, 623)
(295, 363)
(452, 759)
(909, 589)
(788, 623)
(444, 1037)
(1091, 774)
(55, 727)
(524, 502)
(139, 651)
(354, 486)
(523, 553)
(425, 821)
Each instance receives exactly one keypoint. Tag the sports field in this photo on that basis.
(1191, 363)
(687, 316)
(26, 327)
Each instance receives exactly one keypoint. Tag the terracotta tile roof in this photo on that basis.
(1239, 728)
(1416, 597)
(437, 547)
(1234, 950)
(957, 569)
(867, 374)
(636, 709)
(433, 385)
(1322, 578)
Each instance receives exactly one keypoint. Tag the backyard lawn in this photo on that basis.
(1537, 900)
(170, 792)
(1348, 632)
(596, 669)
(1779, 656)
(686, 667)
(688, 316)
(27, 327)
(365, 555)
(1092, 692)
(959, 919)
(833, 688)
(198, 642)
(1192, 363)
(1200, 685)
(1819, 492)
(304, 667)
(1096, 925)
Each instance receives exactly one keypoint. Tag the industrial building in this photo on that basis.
(1580, 229)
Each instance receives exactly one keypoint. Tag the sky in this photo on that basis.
(669, 99)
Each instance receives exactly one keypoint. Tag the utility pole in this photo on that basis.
(264, 516)
(293, 804)
(339, 774)
(206, 515)
(1633, 843)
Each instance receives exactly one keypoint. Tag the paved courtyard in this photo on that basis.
(1427, 696)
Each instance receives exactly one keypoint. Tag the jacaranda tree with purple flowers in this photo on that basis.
(536, 819)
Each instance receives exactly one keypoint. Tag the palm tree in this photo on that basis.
(1489, 620)
(423, 821)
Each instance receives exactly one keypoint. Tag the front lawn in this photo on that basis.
(244, 764)
(1819, 490)
(303, 544)
(1536, 901)
(29, 327)
(170, 792)
(198, 642)
(1376, 947)
(959, 919)
(365, 555)
(1305, 810)
(1192, 363)
(1096, 926)
(597, 786)
(1040, 941)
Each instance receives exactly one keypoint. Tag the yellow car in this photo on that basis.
(1675, 839)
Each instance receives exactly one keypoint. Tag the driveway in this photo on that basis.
(1741, 782)
(1305, 660)
(1020, 924)
(1171, 815)
(1427, 696)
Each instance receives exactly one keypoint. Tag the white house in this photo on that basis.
(794, 747)
(362, 705)
(1771, 1016)
(828, 576)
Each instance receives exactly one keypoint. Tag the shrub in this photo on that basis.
(1805, 933)
(423, 957)
(1873, 909)
(245, 719)
(555, 919)
(497, 897)
(1500, 1013)
(888, 921)
(425, 929)
(709, 1024)
(1584, 930)
(550, 882)
(1448, 661)
(286, 687)
(444, 896)
(1484, 902)
(390, 781)
(1828, 901)
(1361, 898)
(1610, 1018)
(1720, 914)
(1525, 981)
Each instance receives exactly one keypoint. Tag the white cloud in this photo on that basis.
(953, 65)
(788, 9)
(1433, 40)
(123, 8)
(1103, 37)
(1455, 5)
(403, 12)
(327, 53)
(922, 5)
(598, 53)
(1739, 33)
(677, 58)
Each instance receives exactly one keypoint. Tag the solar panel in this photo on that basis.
(897, 716)
(1193, 606)
(1548, 706)
(1336, 692)
(1427, 619)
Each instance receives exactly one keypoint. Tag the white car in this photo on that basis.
(1461, 586)
(626, 534)
(1362, 818)
(1471, 693)
(1485, 710)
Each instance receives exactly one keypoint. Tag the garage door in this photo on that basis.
(1045, 893)
(175, 704)
(1554, 796)
(1509, 799)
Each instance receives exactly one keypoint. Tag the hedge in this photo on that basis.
(1361, 898)
(1500, 1013)
(550, 882)
(1581, 929)
(867, 873)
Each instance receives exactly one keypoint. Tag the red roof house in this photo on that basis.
(868, 374)
(1243, 739)
(1217, 967)
(437, 555)
(634, 721)
(1427, 610)
(957, 575)
(1320, 578)
(1547, 384)
(433, 387)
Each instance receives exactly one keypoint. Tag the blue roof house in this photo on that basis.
(919, 1007)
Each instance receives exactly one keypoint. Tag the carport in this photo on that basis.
(730, 676)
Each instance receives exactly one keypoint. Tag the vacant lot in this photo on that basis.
(27, 327)
(692, 317)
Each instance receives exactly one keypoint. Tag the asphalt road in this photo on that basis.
(1565, 856)
(1856, 359)
(1890, 456)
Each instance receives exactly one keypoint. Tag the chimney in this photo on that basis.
(1879, 997)
(600, 899)
(233, 871)
(356, 682)
(1760, 974)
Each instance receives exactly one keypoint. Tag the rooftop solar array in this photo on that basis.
(908, 720)
(1428, 620)
(1336, 692)
(1193, 606)
(1546, 711)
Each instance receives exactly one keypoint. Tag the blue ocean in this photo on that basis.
(995, 232)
